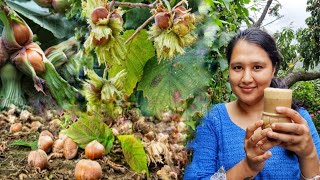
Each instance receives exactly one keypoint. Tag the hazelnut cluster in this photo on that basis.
(172, 30)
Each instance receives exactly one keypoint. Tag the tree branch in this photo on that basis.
(129, 4)
(263, 15)
(292, 78)
(273, 21)
(252, 20)
(139, 29)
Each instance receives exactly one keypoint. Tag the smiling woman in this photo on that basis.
(230, 141)
(250, 72)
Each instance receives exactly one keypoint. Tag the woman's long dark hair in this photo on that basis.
(268, 44)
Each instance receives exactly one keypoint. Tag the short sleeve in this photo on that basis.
(205, 150)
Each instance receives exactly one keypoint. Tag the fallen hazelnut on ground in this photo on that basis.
(24, 115)
(70, 148)
(45, 143)
(38, 159)
(94, 150)
(46, 133)
(88, 170)
(54, 125)
(16, 127)
(35, 125)
(58, 146)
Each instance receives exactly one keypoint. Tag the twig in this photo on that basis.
(54, 156)
(112, 4)
(272, 21)
(155, 2)
(129, 4)
(167, 4)
(180, 3)
(115, 166)
(139, 29)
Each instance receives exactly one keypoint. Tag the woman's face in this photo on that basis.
(250, 72)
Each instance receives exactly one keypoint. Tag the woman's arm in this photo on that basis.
(313, 131)
(257, 147)
(300, 138)
(205, 151)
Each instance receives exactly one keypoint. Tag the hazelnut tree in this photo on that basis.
(126, 60)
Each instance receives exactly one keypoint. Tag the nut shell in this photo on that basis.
(162, 20)
(100, 42)
(36, 61)
(45, 143)
(21, 33)
(16, 127)
(99, 13)
(117, 16)
(88, 170)
(46, 133)
(70, 148)
(94, 150)
(38, 159)
(58, 146)
(179, 11)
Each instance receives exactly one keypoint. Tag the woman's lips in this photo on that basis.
(247, 89)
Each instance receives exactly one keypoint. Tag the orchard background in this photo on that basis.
(133, 76)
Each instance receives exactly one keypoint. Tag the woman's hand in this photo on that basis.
(295, 136)
(256, 145)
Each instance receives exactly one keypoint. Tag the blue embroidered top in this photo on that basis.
(219, 142)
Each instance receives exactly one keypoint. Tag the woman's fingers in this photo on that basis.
(257, 145)
(258, 137)
(252, 127)
(269, 144)
(263, 157)
(285, 138)
(298, 129)
(292, 114)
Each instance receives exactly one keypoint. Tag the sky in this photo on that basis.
(294, 12)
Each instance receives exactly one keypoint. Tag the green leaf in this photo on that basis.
(89, 128)
(134, 153)
(227, 4)
(166, 84)
(253, 9)
(60, 89)
(140, 16)
(33, 145)
(139, 51)
(56, 23)
(223, 64)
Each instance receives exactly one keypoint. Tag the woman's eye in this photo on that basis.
(237, 67)
(257, 67)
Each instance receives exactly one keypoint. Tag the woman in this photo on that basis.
(230, 143)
